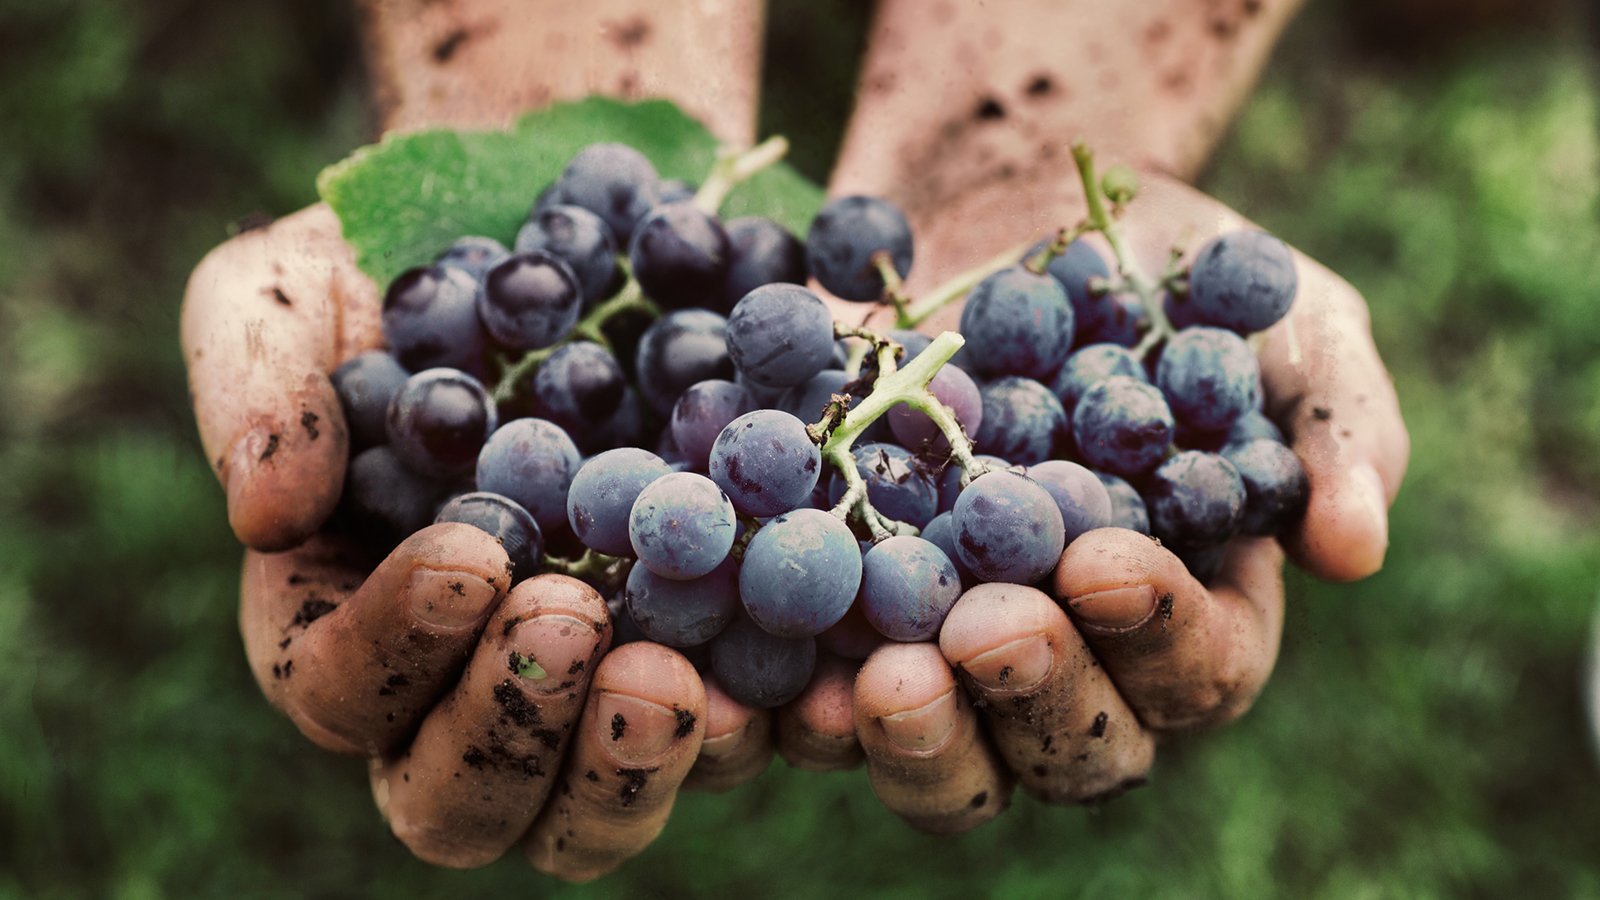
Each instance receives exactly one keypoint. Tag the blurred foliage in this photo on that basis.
(1422, 738)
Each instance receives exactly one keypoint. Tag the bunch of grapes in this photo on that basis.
(645, 396)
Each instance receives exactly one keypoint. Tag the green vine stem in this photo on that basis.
(919, 311)
(589, 328)
(733, 167)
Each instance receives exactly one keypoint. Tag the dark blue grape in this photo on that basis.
(807, 401)
(529, 301)
(1122, 425)
(532, 461)
(843, 238)
(602, 493)
(682, 526)
(1008, 528)
(674, 190)
(700, 415)
(613, 181)
(950, 482)
(766, 462)
(1090, 364)
(476, 255)
(679, 256)
(908, 586)
(800, 573)
(780, 335)
(941, 532)
(438, 420)
(430, 321)
(1243, 281)
(1017, 323)
(1195, 499)
(683, 613)
(897, 485)
(365, 385)
(1073, 269)
(1210, 377)
(1083, 500)
(957, 391)
(683, 347)
(625, 428)
(1022, 421)
(1126, 322)
(1252, 425)
(759, 669)
(623, 629)
(1181, 312)
(1127, 507)
(1275, 484)
(384, 501)
(580, 239)
(760, 252)
(580, 387)
(505, 520)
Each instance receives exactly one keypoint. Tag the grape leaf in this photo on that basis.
(404, 199)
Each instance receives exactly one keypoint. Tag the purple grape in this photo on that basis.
(583, 241)
(843, 238)
(1243, 281)
(1127, 507)
(683, 613)
(800, 573)
(529, 301)
(1196, 500)
(1275, 483)
(1209, 377)
(679, 256)
(700, 415)
(1008, 528)
(532, 461)
(766, 462)
(1022, 421)
(951, 387)
(1083, 500)
(760, 252)
(365, 384)
(683, 347)
(1122, 425)
(760, 669)
(475, 255)
(897, 485)
(602, 493)
(1017, 323)
(908, 586)
(780, 335)
(430, 320)
(438, 420)
(613, 181)
(506, 521)
(682, 526)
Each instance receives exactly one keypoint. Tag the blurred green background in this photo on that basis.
(1423, 736)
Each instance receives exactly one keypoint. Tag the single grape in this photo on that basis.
(843, 238)
(807, 401)
(529, 301)
(701, 413)
(1090, 364)
(1084, 502)
(365, 385)
(683, 347)
(476, 255)
(1017, 323)
(1209, 377)
(800, 573)
(1181, 311)
(623, 330)
(1275, 484)
(941, 532)
(505, 520)
(780, 335)
(766, 462)
(430, 320)
(679, 256)
(673, 190)
(579, 387)
(760, 251)
(613, 181)
(759, 669)
(438, 420)
(1022, 421)
(1008, 528)
(384, 501)
(908, 586)
(1127, 507)
(852, 637)
(1126, 322)
(1243, 281)
(580, 239)
(897, 485)
(625, 428)
(1252, 425)
(950, 482)
(681, 526)
(532, 461)
(623, 629)
(683, 613)
(1122, 425)
(601, 496)
(957, 391)
(1196, 500)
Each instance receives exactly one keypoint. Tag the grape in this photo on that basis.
(914, 342)
(1022, 421)
(673, 190)
(365, 385)
(438, 420)
(430, 320)
(683, 347)
(1008, 528)
(625, 428)
(601, 496)
(843, 238)
(1090, 364)
(896, 485)
(941, 532)
(612, 181)
(700, 415)
(580, 387)
(766, 462)
(532, 461)
(623, 629)
(1125, 324)
(951, 387)
(1210, 377)
(623, 330)
(680, 256)
(1122, 425)
(1072, 269)
(1243, 281)
(1127, 507)
(1181, 311)
(506, 521)
(682, 526)
(683, 613)
(1203, 563)
(800, 573)
(385, 501)
(1017, 323)
(852, 637)
(580, 239)
(950, 481)
(759, 669)
(1196, 500)
(1083, 500)
(760, 251)
(908, 585)
(1252, 425)
(475, 255)
(780, 335)
(529, 301)
(807, 401)
(1275, 484)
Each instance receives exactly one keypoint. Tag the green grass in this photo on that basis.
(1423, 736)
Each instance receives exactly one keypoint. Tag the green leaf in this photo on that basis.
(403, 200)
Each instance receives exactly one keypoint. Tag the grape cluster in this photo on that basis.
(643, 395)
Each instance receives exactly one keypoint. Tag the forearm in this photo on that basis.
(482, 62)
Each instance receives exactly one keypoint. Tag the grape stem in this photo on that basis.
(588, 328)
(734, 166)
(1131, 277)
(894, 288)
(1039, 262)
(959, 286)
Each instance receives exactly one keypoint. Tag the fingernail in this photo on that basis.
(1117, 609)
(552, 652)
(447, 598)
(635, 731)
(1368, 487)
(1018, 666)
(922, 729)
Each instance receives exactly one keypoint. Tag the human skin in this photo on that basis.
(1174, 654)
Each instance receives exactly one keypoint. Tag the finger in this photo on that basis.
(1181, 656)
(817, 730)
(926, 759)
(483, 762)
(639, 735)
(357, 670)
(738, 743)
(266, 317)
(1052, 711)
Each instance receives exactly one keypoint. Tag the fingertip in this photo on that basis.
(738, 743)
(816, 731)
(1113, 580)
(1345, 533)
(283, 476)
